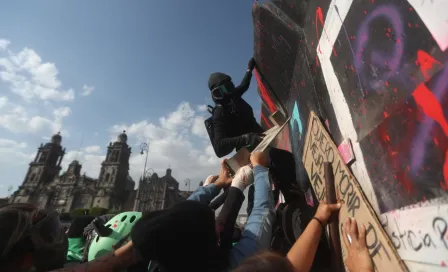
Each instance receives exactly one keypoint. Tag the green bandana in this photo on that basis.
(75, 249)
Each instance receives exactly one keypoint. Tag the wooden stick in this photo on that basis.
(335, 242)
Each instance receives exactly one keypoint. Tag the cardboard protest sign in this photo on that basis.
(320, 148)
(270, 136)
(277, 118)
(242, 157)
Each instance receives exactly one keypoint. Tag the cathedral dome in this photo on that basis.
(75, 162)
(56, 139)
(122, 138)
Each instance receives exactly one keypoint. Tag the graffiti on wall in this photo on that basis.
(294, 75)
(419, 239)
(374, 71)
(382, 59)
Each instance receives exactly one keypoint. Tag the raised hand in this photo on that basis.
(358, 257)
(224, 178)
(251, 64)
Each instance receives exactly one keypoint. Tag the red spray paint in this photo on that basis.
(264, 93)
(266, 121)
(426, 62)
(430, 105)
(320, 18)
(432, 108)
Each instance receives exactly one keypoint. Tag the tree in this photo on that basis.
(97, 211)
(65, 217)
(114, 212)
(79, 212)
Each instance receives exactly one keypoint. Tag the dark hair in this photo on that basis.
(16, 219)
(265, 261)
(163, 235)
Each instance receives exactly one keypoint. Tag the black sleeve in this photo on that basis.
(245, 83)
(218, 201)
(227, 217)
(222, 144)
(250, 199)
(76, 229)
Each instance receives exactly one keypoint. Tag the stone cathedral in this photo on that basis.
(44, 185)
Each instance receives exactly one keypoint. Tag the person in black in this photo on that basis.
(234, 123)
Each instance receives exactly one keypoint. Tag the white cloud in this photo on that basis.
(173, 141)
(6, 143)
(3, 101)
(12, 153)
(176, 141)
(36, 123)
(91, 163)
(4, 44)
(181, 118)
(202, 108)
(92, 149)
(141, 130)
(16, 119)
(60, 113)
(198, 127)
(29, 77)
(25, 74)
(87, 90)
(33, 101)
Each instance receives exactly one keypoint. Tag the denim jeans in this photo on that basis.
(257, 233)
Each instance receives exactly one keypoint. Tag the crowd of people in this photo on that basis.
(187, 236)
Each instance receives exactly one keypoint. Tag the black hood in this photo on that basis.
(76, 228)
(166, 234)
(216, 79)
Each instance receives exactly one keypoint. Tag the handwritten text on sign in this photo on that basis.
(320, 148)
(419, 234)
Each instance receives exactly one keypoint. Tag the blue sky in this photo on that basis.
(93, 68)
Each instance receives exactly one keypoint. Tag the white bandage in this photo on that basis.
(243, 178)
(208, 180)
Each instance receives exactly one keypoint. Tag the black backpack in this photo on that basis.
(209, 126)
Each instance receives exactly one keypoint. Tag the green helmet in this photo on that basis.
(115, 233)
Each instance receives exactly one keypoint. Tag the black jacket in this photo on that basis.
(233, 119)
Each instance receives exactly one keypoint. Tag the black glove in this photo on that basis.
(251, 64)
(252, 139)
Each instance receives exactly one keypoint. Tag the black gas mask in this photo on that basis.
(223, 92)
(221, 87)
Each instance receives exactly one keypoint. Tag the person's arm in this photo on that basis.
(218, 201)
(205, 194)
(358, 256)
(225, 223)
(222, 144)
(245, 83)
(302, 253)
(258, 230)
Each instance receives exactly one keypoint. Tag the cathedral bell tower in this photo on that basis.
(41, 172)
(46, 164)
(114, 173)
